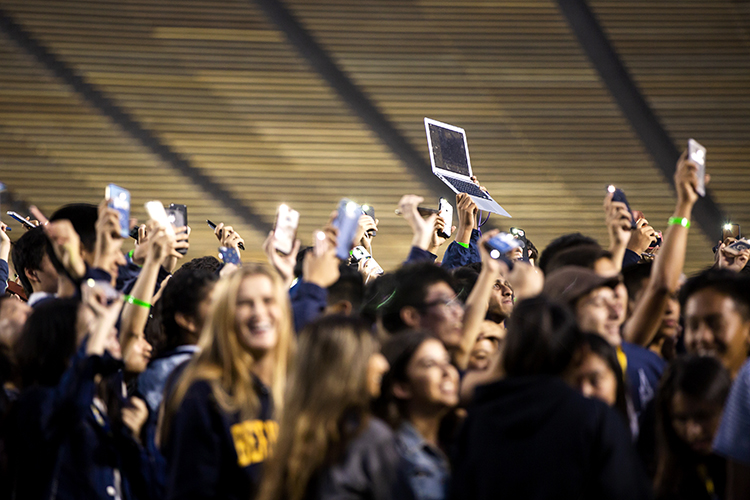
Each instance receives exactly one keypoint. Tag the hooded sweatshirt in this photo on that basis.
(534, 437)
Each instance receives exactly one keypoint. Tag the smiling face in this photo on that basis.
(598, 312)
(442, 314)
(432, 379)
(138, 355)
(257, 315)
(715, 327)
(594, 378)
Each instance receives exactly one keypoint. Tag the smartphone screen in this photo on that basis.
(446, 213)
(697, 154)
(285, 229)
(119, 199)
(17, 217)
(346, 222)
(730, 231)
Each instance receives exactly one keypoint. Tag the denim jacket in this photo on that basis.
(426, 468)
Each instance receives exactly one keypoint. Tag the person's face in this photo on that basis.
(13, 315)
(258, 314)
(594, 378)
(443, 314)
(501, 299)
(138, 355)
(670, 323)
(695, 422)
(490, 340)
(46, 277)
(597, 312)
(606, 268)
(714, 327)
(432, 379)
(377, 366)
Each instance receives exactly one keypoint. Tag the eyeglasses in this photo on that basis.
(454, 301)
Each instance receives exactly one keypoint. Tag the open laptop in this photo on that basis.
(449, 155)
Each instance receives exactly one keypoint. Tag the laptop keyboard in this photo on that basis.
(468, 187)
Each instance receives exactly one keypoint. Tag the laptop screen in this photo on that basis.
(449, 150)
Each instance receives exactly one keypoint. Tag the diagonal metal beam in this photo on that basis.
(354, 97)
(637, 111)
(105, 105)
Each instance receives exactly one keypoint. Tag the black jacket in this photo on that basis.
(536, 438)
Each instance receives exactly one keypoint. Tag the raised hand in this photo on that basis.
(422, 228)
(67, 246)
(467, 217)
(107, 252)
(284, 264)
(228, 237)
(642, 237)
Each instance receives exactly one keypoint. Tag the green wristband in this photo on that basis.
(130, 256)
(132, 300)
(679, 221)
(465, 245)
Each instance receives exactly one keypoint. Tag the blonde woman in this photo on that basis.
(219, 425)
(330, 446)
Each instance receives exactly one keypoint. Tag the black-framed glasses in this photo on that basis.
(454, 301)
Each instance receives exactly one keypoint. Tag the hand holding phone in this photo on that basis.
(618, 195)
(213, 226)
(24, 222)
(697, 154)
(285, 229)
(347, 221)
(446, 213)
(501, 244)
(177, 216)
(119, 199)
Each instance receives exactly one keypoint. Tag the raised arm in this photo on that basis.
(665, 274)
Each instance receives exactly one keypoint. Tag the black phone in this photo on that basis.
(619, 195)
(213, 226)
(521, 235)
(177, 215)
(370, 210)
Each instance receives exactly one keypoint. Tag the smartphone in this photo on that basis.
(697, 154)
(285, 229)
(24, 222)
(119, 199)
(134, 233)
(359, 253)
(346, 222)
(655, 244)
(445, 212)
(157, 213)
(619, 195)
(727, 231)
(229, 256)
(500, 244)
(177, 215)
(520, 234)
(320, 245)
(370, 210)
(213, 226)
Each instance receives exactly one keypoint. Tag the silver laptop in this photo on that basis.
(449, 155)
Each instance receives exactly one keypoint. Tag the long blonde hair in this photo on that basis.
(224, 363)
(327, 404)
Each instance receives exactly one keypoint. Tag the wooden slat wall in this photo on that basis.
(220, 85)
(692, 60)
(55, 150)
(545, 136)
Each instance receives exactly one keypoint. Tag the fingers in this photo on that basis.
(218, 230)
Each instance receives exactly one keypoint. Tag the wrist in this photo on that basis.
(463, 235)
(683, 210)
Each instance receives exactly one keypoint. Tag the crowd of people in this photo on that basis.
(584, 371)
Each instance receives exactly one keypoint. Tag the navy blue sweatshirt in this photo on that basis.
(212, 454)
(536, 438)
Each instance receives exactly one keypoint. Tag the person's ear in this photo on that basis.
(401, 390)
(31, 276)
(185, 322)
(343, 307)
(410, 316)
